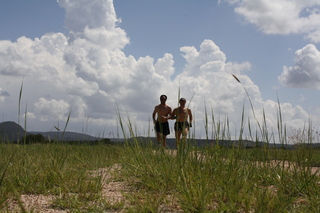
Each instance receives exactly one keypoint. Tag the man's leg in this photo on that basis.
(165, 132)
(185, 134)
(164, 140)
(159, 137)
(178, 135)
(184, 137)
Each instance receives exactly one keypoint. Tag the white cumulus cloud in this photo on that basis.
(305, 73)
(3, 95)
(282, 16)
(88, 73)
(51, 109)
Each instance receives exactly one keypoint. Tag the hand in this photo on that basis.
(163, 118)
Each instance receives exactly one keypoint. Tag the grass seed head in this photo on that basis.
(235, 77)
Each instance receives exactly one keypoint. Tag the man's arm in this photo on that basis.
(173, 115)
(170, 113)
(190, 117)
(154, 115)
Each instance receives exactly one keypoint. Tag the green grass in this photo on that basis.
(224, 180)
(212, 179)
(54, 169)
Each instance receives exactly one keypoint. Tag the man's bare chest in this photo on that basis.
(182, 111)
(163, 109)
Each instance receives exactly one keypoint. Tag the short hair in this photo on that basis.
(163, 96)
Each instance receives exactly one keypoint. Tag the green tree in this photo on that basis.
(34, 138)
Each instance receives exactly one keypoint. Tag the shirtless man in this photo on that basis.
(181, 126)
(163, 112)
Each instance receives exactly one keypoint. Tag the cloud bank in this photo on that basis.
(289, 17)
(88, 74)
(305, 73)
(282, 16)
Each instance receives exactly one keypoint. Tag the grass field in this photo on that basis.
(133, 178)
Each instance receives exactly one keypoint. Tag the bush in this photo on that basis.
(33, 138)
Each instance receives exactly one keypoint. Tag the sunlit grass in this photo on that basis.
(223, 179)
(53, 169)
(210, 179)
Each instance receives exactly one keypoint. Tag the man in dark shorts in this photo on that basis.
(163, 113)
(181, 126)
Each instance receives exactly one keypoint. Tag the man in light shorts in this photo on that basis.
(181, 126)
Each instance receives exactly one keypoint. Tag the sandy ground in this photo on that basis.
(112, 191)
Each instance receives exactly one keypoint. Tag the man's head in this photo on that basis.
(163, 98)
(182, 101)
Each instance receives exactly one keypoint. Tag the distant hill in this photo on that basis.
(66, 136)
(201, 143)
(13, 132)
(10, 131)
(171, 143)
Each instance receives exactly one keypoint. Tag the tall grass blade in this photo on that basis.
(281, 127)
(65, 126)
(188, 107)
(242, 124)
(216, 127)
(19, 102)
(249, 98)
(120, 122)
(19, 106)
(25, 125)
(250, 130)
(213, 134)
(206, 120)
(179, 93)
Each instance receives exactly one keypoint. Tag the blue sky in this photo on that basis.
(133, 51)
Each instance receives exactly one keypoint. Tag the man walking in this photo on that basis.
(163, 113)
(181, 126)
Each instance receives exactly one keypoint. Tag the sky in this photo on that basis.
(99, 62)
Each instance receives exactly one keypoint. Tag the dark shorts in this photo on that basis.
(163, 128)
(180, 126)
